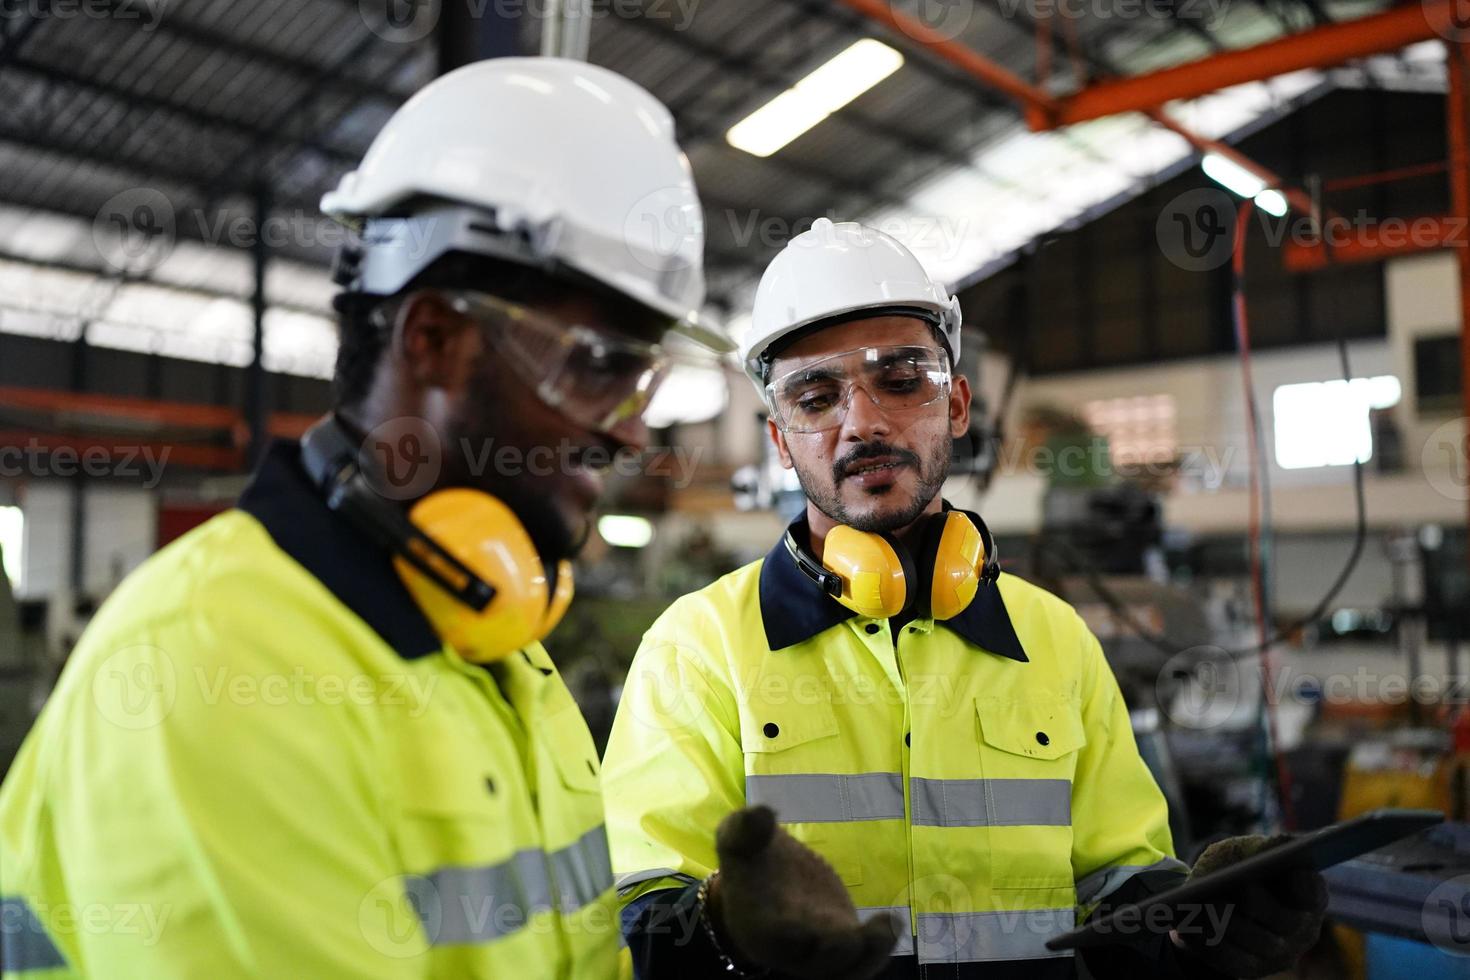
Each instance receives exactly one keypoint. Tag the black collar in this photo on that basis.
(795, 609)
(359, 573)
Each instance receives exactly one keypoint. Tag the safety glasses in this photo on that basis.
(594, 379)
(816, 396)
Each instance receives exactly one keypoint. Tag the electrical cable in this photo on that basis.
(1260, 501)
(1259, 535)
(1260, 531)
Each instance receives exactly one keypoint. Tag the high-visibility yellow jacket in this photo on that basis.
(979, 777)
(260, 762)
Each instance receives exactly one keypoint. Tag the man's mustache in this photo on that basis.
(867, 451)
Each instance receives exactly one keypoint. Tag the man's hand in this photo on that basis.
(780, 906)
(1263, 930)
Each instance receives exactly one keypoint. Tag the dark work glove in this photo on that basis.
(776, 904)
(1264, 929)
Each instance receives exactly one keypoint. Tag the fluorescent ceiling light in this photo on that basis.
(815, 97)
(625, 531)
(1231, 175)
(1272, 202)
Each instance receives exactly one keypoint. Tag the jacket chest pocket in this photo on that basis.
(793, 764)
(573, 754)
(1028, 756)
(455, 806)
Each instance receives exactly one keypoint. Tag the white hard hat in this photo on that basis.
(833, 270)
(543, 161)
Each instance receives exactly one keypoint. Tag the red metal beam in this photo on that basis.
(288, 425)
(1321, 47)
(1040, 108)
(1295, 197)
(1387, 239)
(165, 453)
(1457, 105)
(116, 407)
(1036, 102)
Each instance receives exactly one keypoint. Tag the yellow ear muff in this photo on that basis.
(958, 555)
(483, 533)
(872, 569)
(561, 598)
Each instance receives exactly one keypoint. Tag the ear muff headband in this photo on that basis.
(447, 550)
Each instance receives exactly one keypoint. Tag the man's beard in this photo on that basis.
(932, 472)
(553, 535)
(549, 530)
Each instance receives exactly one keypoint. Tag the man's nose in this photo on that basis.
(865, 421)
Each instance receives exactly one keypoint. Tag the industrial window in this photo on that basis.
(1326, 423)
(1139, 429)
(12, 541)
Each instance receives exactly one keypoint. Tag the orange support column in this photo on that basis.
(1456, 57)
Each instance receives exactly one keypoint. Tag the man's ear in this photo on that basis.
(778, 439)
(438, 347)
(959, 406)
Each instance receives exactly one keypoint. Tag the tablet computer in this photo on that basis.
(1318, 850)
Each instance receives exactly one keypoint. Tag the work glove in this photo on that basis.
(1264, 928)
(777, 905)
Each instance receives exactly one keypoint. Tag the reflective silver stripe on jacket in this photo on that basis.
(991, 802)
(832, 798)
(1105, 881)
(460, 905)
(582, 871)
(827, 798)
(979, 937)
(983, 937)
(24, 944)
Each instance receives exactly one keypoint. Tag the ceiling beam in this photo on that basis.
(204, 120)
(1321, 47)
(174, 25)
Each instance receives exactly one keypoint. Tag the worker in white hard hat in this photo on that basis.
(875, 712)
(318, 736)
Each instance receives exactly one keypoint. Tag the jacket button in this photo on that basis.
(906, 739)
(1042, 738)
(872, 628)
(771, 729)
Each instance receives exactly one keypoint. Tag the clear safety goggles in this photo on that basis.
(593, 378)
(816, 396)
